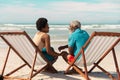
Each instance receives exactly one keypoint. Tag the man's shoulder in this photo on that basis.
(46, 35)
(84, 32)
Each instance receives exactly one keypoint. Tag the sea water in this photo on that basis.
(59, 33)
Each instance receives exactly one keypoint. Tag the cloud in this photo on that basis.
(61, 11)
(83, 6)
(87, 12)
(110, 1)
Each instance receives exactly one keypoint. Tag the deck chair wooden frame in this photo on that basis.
(96, 63)
(37, 53)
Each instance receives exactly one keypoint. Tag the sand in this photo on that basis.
(61, 66)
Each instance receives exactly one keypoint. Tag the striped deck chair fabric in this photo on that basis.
(24, 47)
(93, 52)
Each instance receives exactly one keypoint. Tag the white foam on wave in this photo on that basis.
(16, 26)
(9, 28)
(60, 40)
(100, 26)
(19, 25)
(56, 27)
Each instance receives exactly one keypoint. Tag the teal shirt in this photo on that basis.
(77, 39)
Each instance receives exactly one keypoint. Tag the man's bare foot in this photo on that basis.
(73, 71)
(51, 70)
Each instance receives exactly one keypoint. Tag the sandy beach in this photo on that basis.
(61, 66)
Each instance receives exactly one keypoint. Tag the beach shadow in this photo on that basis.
(101, 75)
(48, 76)
(60, 75)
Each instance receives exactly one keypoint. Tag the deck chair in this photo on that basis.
(24, 47)
(98, 46)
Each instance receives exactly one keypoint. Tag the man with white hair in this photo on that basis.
(76, 40)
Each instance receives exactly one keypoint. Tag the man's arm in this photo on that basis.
(62, 47)
(70, 49)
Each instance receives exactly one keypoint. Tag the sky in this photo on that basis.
(60, 11)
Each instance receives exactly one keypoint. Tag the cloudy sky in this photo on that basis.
(60, 11)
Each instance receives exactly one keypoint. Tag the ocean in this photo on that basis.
(59, 33)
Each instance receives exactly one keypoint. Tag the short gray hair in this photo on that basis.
(74, 25)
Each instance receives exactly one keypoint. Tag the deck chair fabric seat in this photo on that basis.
(24, 47)
(93, 52)
(96, 48)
